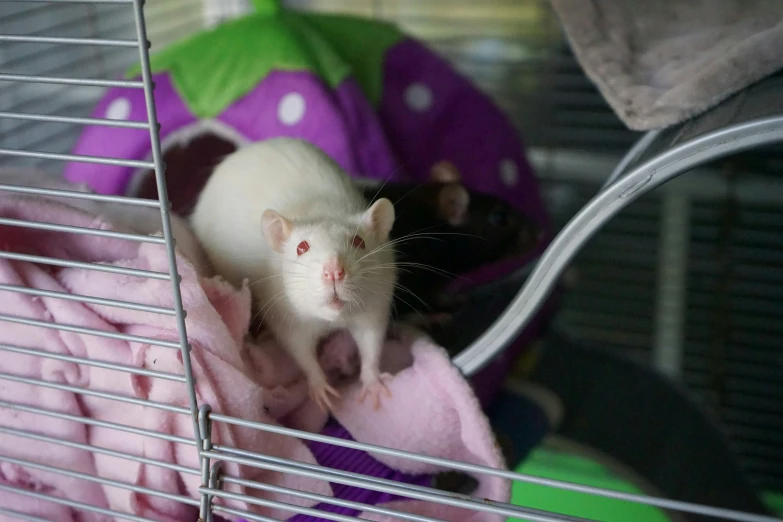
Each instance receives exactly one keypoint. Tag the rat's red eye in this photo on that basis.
(302, 247)
(358, 242)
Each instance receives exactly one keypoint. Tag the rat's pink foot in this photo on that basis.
(320, 394)
(374, 388)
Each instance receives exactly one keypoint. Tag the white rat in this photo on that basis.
(123, 218)
(283, 215)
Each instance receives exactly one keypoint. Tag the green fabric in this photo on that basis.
(363, 43)
(215, 68)
(547, 463)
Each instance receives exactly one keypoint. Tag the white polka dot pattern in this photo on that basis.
(509, 173)
(291, 109)
(118, 109)
(418, 97)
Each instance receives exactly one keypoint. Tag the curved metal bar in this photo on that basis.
(597, 212)
(636, 152)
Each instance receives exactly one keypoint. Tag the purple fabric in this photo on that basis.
(355, 461)
(454, 121)
(117, 142)
(340, 122)
(346, 459)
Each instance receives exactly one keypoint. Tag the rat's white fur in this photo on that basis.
(259, 204)
(123, 218)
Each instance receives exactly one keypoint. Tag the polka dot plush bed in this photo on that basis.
(379, 102)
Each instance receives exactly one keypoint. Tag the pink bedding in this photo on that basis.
(432, 410)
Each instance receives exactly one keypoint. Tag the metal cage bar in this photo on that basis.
(95, 422)
(44, 260)
(53, 227)
(89, 331)
(91, 362)
(94, 393)
(327, 500)
(77, 157)
(98, 450)
(382, 485)
(160, 181)
(88, 299)
(67, 41)
(98, 480)
(21, 516)
(77, 121)
(82, 82)
(121, 200)
(72, 504)
(395, 488)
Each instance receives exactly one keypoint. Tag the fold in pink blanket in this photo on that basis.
(432, 410)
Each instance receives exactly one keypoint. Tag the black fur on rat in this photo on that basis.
(444, 229)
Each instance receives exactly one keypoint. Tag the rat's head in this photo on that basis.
(489, 228)
(334, 266)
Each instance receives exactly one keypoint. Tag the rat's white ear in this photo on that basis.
(379, 218)
(453, 201)
(445, 172)
(276, 228)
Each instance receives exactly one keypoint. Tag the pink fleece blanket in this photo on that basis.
(432, 410)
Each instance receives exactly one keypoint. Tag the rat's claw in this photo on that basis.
(277, 394)
(375, 388)
(320, 394)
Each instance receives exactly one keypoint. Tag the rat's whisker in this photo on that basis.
(421, 232)
(264, 279)
(409, 291)
(417, 235)
(270, 303)
(291, 324)
(376, 270)
(434, 269)
(390, 299)
(411, 191)
(386, 298)
(410, 305)
(420, 235)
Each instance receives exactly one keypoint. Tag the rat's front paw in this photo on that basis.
(320, 393)
(374, 387)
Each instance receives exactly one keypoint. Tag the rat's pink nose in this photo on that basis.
(333, 271)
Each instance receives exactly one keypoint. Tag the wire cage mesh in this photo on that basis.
(59, 56)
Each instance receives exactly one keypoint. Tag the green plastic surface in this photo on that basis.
(551, 464)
